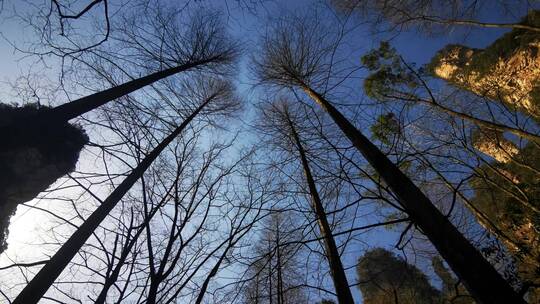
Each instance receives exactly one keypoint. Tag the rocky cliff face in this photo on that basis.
(507, 71)
(507, 192)
(493, 143)
(30, 165)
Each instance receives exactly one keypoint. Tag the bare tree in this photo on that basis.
(428, 14)
(284, 120)
(215, 92)
(201, 45)
(293, 55)
(275, 274)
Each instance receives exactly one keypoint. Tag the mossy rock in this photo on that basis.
(508, 70)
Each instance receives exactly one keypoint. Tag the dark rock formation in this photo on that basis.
(31, 162)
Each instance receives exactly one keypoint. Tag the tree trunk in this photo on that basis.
(213, 272)
(270, 274)
(478, 121)
(341, 284)
(278, 264)
(484, 283)
(102, 297)
(63, 113)
(37, 287)
(152, 292)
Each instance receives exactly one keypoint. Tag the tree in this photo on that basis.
(279, 116)
(428, 15)
(384, 278)
(294, 54)
(452, 290)
(386, 128)
(201, 47)
(215, 92)
(503, 191)
(275, 275)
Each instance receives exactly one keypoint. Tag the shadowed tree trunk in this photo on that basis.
(37, 287)
(281, 295)
(113, 277)
(339, 277)
(478, 275)
(310, 50)
(11, 134)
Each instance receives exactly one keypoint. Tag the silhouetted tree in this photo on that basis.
(428, 15)
(279, 116)
(215, 92)
(298, 53)
(275, 275)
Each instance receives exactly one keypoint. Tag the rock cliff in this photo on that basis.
(507, 71)
(30, 165)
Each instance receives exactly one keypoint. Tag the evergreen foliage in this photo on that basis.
(386, 279)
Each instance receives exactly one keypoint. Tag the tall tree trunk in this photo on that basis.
(37, 287)
(270, 273)
(152, 292)
(484, 283)
(278, 264)
(341, 284)
(116, 271)
(63, 113)
(212, 274)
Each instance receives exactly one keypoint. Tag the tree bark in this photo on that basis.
(483, 282)
(341, 284)
(37, 287)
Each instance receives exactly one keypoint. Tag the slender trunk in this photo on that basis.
(484, 283)
(63, 113)
(37, 287)
(341, 284)
(213, 273)
(257, 289)
(270, 273)
(278, 264)
(152, 292)
(480, 24)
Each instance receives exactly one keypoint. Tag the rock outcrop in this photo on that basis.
(507, 71)
(34, 162)
(493, 143)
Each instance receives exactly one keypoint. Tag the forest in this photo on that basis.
(270, 151)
